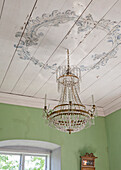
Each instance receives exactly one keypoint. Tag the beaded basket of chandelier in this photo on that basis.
(70, 115)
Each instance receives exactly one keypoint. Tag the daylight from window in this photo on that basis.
(14, 162)
(9, 162)
(34, 163)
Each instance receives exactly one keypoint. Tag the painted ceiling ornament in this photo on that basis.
(34, 33)
(70, 115)
(114, 38)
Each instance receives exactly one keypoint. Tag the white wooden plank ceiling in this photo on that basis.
(34, 36)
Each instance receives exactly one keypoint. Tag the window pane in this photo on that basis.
(35, 163)
(9, 162)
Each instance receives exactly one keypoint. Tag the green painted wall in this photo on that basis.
(17, 122)
(113, 127)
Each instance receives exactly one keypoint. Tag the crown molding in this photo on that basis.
(28, 101)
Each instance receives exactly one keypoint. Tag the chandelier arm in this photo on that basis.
(45, 110)
(92, 112)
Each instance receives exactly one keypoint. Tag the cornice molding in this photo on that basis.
(32, 102)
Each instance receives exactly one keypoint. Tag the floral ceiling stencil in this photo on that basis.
(34, 33)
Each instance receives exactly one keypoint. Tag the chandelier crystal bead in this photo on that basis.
(70, 115)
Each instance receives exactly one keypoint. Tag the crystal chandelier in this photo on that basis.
(70, 115)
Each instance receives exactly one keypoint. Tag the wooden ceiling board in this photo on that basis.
(97, 76)
(105, 85)
(50, 9)
(101, 66)
(50, 60)
(23, 81)
(50, 44)
(91, 38)
(2, 2)
(113, 105)
(41, 79)
(72, 38)
(109, 96)
(44, 53)
(51, 89)
(86, 48)
(32, 71)
(75, 38)
(7, 33)
(27, 77)
(99, 33)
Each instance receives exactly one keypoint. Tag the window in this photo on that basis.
(23, 162)
(35, 163)
(9, 162)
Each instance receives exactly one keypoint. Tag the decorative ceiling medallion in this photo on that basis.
(33, 34)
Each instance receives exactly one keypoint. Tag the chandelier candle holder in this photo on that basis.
(70, 115)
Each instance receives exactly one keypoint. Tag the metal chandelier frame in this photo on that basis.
(70, 115)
